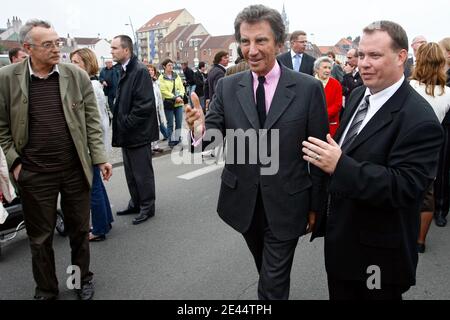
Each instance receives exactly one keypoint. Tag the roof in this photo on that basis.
(344, 41)
(219, 42)
(160, 20)
(87, 41)
(182, 33)
(336, 50)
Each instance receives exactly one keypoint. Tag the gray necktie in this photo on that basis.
(356, 124)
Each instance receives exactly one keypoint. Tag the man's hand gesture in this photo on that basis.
(195, 118)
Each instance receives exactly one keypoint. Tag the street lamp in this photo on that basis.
(136, 45)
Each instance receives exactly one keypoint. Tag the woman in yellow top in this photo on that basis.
(172, 91)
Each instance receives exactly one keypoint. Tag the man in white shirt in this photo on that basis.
(380, 168)
(296, 59)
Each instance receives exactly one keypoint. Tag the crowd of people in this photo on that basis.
(361, 176)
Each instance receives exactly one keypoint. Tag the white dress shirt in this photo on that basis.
(376, 102)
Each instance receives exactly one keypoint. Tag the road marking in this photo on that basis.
(201, 172)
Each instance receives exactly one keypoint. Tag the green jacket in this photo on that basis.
(80, 111)
(166, 86)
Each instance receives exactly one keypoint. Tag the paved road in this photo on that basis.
(187, 252)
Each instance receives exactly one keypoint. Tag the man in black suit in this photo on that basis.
(380, 168)
(352, 78)
(216, 73)
(135, 126)
(296, 58)
(271, 209)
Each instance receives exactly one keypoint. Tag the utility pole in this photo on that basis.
(136, 44)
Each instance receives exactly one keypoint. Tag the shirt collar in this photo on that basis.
(378, 99)
(55, 69)
(125, 65)
(293, 54)
(274, 74)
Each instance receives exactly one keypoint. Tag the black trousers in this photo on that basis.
(273, 258)
(358, 290)
(442, 183)
(140, 178)
(39, 195)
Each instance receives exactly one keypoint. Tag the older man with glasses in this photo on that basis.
(352, 78)
(51, 134)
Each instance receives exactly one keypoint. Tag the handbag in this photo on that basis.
(169, 104)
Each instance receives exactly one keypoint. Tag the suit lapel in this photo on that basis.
(23, 76)
(282, 98)
(63, 81)
(245, 96)
(381, 119)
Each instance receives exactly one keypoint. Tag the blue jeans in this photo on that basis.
(174, 137)
(100, 207)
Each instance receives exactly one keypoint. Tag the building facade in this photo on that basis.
(150, 34)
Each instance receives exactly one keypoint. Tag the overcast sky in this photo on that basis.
(325, 21)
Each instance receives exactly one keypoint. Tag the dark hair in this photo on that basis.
(126, 42)
(258, 13)
(201, 64)
(331, 53)
(240, 56)
(296, 34)
(219, 55)
(395, 31)
(166, 62)
(13, 53)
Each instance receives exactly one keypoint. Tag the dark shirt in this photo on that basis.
(200, 79)
(111, 76)
(50, 147)
(189, 76)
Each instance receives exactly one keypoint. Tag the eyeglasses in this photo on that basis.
(48, 45)
(299, 41)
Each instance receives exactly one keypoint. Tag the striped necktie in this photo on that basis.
(356, 124)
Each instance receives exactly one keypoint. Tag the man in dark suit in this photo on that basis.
(352, 78)
(216, 73)
(296, 58)
(135, 126)
(380, 169)
(271, 210)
